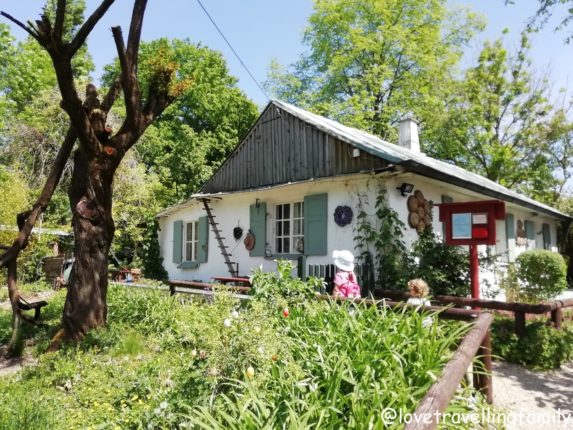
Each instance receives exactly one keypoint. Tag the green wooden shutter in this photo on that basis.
(202, 240)
(546, 236)
(178, 241)
(509, 228)
(530, 230)
(258, 226)
(315, 224)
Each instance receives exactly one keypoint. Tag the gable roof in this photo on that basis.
(417, 162)
(275, 135)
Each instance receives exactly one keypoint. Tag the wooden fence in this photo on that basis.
(555, 307)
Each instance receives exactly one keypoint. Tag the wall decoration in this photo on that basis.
(419, 211)
(249, 241)
(343, 215)
(237, 233)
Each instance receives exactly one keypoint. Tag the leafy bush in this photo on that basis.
(542, 347)
(542, 274)
(282, 286)
(445, 268)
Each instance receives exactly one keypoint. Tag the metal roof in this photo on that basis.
(417, 162)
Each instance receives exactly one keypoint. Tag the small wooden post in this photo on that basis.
(557, 317)
(520, 323)
(483, 381)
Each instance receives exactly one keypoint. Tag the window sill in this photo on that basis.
(284, 257)
(188, 265)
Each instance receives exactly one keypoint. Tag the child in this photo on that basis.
(345, 284)
(419, 290)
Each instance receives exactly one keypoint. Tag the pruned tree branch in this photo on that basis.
(42, 202)
(21, 25)
(60, 17)
(88, 26)
(135, 30)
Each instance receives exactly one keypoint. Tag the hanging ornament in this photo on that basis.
(237, 233)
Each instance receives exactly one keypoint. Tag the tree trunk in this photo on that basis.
(91, 202)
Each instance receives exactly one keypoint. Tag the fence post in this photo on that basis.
(557, 317)
(301, 267)
(483, 381)
(520, 323)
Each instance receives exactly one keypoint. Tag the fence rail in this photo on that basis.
(555, 307)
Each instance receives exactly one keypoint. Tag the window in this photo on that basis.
(191, 241)
(289, 228)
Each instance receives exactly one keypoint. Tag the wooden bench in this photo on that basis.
(204, 286)
(24, 305)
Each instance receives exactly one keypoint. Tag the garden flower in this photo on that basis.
(202, 354)
(235, 314)
(194, 353)
(250, 372)
(274, 357)
(261, 349)
(257, 329)
(285, 312)
(227, 322)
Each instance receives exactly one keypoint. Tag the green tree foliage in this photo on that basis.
(197, 132)
(496, 121)
(546, 10)
(541, 274)
(369, 62)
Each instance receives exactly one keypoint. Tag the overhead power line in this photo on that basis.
(233, 49)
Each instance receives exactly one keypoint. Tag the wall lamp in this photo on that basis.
(405, 189)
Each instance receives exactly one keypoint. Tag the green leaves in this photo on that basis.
(371, 62)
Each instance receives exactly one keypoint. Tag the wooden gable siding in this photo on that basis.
(281, 148)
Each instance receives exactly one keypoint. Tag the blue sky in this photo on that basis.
(261, 30)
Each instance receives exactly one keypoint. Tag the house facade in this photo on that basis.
(294, 185)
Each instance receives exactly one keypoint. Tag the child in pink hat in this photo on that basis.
(345, 284)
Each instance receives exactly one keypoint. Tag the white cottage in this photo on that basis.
(286, 179)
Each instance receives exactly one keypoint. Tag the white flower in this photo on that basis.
(261, 349)
(257, 329)
(194, 353)
(163, 405)
(427, 322)
(227, 322)
(235, 314)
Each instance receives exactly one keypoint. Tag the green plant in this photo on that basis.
(542, 347)
(282, 286)
(392, 261)
(445, 268)
(541, 274)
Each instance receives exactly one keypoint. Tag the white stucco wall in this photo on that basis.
(232, 210)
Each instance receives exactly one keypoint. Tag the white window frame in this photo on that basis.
(190, 239)
(291, 220)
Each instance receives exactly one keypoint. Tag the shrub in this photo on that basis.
(282, 285)
(542, 347)
(445, 268)
(541, 274)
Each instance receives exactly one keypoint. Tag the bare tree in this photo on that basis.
(95, 159)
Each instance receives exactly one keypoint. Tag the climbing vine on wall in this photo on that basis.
(391, 258)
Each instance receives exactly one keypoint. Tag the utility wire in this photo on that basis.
(233, 49)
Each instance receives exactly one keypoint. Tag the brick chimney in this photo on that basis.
(409, 134)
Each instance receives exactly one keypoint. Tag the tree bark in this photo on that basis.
(91, 203)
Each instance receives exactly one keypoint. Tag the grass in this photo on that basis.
(166, 363)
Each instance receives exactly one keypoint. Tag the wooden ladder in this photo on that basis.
(231, 266)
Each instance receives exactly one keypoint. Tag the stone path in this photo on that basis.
(534, 400)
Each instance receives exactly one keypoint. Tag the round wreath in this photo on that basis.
(343, 215)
